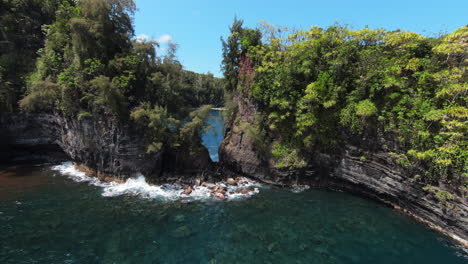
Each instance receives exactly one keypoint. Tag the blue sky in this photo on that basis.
(196, 26)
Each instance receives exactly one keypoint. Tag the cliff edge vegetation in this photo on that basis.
(316, 90)
(80, 59)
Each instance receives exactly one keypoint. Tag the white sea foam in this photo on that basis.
(69, 170)
(235, 192)
(299, 188)
(137, 186)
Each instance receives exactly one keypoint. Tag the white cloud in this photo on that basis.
(142, 37)
(164, 39)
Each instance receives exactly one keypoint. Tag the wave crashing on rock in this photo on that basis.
(137, 186)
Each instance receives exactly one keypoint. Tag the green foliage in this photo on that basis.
(84, 115)
(444, 197)
(190, 133)
(355, 115)
(400, 159)
(158, 125)
(365, 108)
(43, 97)
(235, 52)
(454, 44)
(102, 29)
(109, 94)
(21, 35)
(258, 134)
(287, 157)
(89, 53)
(314, 86)
(7, 96)
(163, 130)
(231, 55)
(90, 67)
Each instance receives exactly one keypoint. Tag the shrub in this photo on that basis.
(43, 96)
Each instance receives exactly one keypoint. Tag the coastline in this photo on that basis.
(367, 194)
(190, 184)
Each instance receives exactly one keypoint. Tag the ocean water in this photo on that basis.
(51, 214)
(212, 138)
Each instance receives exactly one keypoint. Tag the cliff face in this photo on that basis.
(377, 176)
(104, 145)
(30, 137)
(237, 150)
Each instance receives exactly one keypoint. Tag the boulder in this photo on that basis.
(220, 189)
(187, 190)
(231, 181)
(208, 185)
(219, 195)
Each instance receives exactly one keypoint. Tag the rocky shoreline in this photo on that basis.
(399, 206)
(377, 176)
(221, 189)
(113, 154)
(106, 145)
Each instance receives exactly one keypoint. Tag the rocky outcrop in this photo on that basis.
(237, 150)
(376, 176)
(104, 145)
(30, 137)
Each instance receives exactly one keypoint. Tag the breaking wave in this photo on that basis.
(299, 188)
(137, 186)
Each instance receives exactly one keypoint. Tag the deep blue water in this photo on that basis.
(212, 138)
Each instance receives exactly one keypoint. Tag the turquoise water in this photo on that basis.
(212, 138)
(46, 217)
(61, 216)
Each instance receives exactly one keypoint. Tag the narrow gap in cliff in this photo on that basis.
(212, 137)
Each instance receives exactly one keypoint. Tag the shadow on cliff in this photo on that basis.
(104, 145)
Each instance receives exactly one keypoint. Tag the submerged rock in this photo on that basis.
(179, 218)
(271, 247)
(182, 232)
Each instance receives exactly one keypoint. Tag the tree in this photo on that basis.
(318, 88)
(231, 55)
(103, 29)
(21, 35)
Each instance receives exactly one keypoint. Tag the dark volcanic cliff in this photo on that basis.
(377, 176)
(104, 145)
(109, 147)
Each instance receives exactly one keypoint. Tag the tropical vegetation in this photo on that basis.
(317, 89)
(80, 59)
